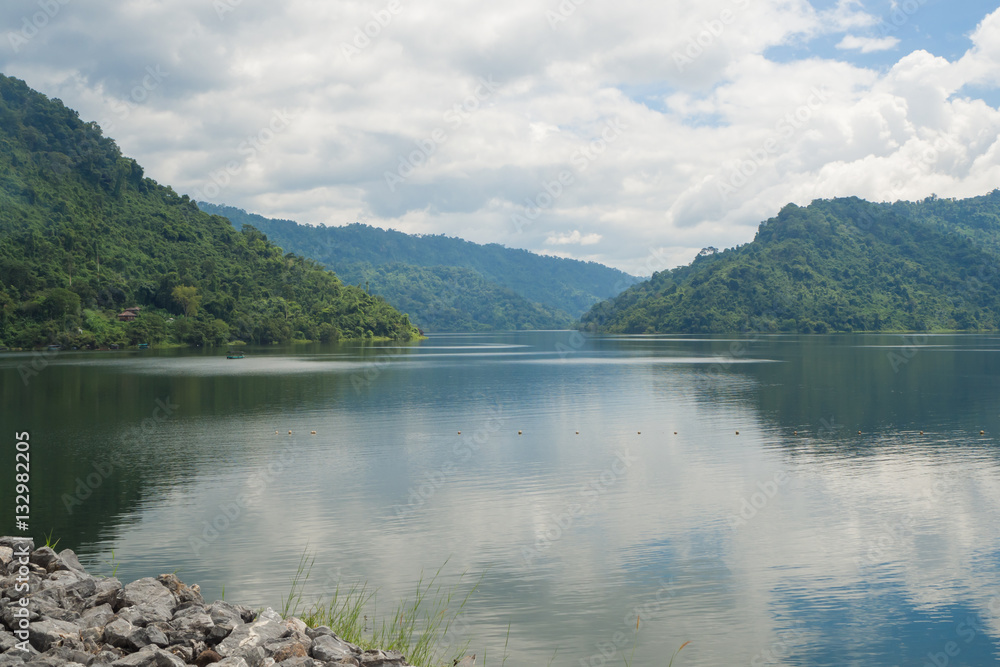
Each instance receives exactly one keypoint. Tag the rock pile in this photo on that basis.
(54, 614)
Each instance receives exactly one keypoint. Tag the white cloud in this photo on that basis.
(574, 238)
(867, 44)
(622, 121)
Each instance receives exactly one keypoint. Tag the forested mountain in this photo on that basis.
(83, 235)
(835, 265)
(444, 283)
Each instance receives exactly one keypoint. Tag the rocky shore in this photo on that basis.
(54, 614)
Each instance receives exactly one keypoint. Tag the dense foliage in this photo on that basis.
(83, 234)
(444, 283)
(836, 265)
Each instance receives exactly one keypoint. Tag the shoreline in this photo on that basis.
(59, 615)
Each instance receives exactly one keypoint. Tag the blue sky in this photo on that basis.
(592, 130)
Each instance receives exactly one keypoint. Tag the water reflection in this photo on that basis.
(718, 487)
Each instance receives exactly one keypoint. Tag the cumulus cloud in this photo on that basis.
(574, 238)
(669, 126)
(868, 44)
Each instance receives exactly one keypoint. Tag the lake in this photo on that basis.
(776, 500)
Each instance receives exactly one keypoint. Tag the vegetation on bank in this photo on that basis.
(836, 265)
(84, 235)
(444, 283)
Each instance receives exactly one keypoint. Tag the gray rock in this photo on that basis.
(331, 648)
(7, 640)
(283, 649)
(256, 657)
(107, 592)
(318, 631)
(6, 557)
(11, 659)
(15, 542)
(226, 616)
(182, 592)
(301, 661)
(376, 658)
(47, 558)
(150, 596)
(97, 617)
(150, 656)
(135, 615)
(156, 636)
(62, 654)
(7, 614)
(185, 653)
(252, 635)
(105, 657)
(232, 662)
(118, 632)
(194, 623)
(70, 561)
(49, 632)
(93, 639)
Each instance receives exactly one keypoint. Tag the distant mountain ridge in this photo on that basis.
(447, 283)
(835, 265)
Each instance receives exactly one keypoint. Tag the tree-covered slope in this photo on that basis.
(83, 234)
(836, 265)
(449, 298)
(566, 285)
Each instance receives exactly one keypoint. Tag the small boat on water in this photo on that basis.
(143, 346)
(234, 355)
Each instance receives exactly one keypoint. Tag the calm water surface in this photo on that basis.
(852, 520)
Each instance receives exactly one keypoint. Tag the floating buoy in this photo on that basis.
(921, 433)
(737, 433)
(982, 433)
(578, 433)
(276, 433)
(289, 433)
(312, 432)
(639, 432)
(519, 433)
(859, 432)
(675, 432)
(795, 432)
(460, 433)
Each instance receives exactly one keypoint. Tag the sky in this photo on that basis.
(625, 132)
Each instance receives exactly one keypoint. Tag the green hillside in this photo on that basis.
(83, 234)
(522, 290)
(449, 298)
(836, 265)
